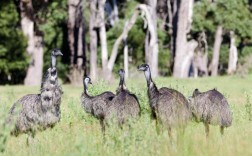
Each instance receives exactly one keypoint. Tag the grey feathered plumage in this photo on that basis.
(96, 105)
(169, 107)
(125, 105)
(211, 107)
(38, 111)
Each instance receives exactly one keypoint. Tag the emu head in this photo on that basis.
(147, 72)
(192, 100)
(143, 67)
(121, 73)
(86, 81)
(55, 52)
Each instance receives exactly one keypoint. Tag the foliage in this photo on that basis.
(54, 27)
(231, 14)
(13, 58)
(78, 133)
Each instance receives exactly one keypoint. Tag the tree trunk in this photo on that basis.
(93, 40)
(115, 11)
(126, 59)
(35, 46)
(216, 51)
(128, 25)
(151, 16)
(200, 59)
(102, 34)
(233, 54)
(153, 43)
(184, 50)
(76, 39)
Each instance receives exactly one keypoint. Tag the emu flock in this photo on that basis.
(169, 108)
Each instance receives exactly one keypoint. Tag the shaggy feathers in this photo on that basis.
(125, 105)
(168, 106)
(37, 111)
(211, 107)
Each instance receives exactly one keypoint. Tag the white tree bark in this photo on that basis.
(184, 50)
(126, 58)
(93, 40)
(76, 40)
(216, 51)
(35, 47)
(115, 11)
(102, 34)
(70, 25)
(200, 60)
(153, 43)
(128, 25)
(151, 17)
(233, 54)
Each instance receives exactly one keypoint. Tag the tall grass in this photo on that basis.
(78, 133)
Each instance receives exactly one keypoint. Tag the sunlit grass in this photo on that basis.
(78, 133)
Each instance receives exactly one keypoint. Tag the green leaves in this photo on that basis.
(13, 58)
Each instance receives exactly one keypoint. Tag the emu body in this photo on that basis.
(125, 105)
(169, 107)
(38, 111)
(96, 105)
(211, 107)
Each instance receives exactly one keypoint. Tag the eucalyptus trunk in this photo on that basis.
(35, 43)
(76, 40)
(184, 49)
(216, 51)
(233, 54)
(103, 36)
(93, 40)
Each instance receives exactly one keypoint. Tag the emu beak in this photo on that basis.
(140, 68)
(60, 53)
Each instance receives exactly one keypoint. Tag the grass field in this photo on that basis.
(79, 133)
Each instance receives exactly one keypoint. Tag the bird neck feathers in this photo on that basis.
(85, 88)
(53, 61)
(147, 74)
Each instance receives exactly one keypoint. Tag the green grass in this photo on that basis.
(79, 133)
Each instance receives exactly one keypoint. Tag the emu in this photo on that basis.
(210, 107)
(125, 105)
(169, 107)
(35, 112)
(96, 105)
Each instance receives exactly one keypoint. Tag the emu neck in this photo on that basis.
(148, 77)
(53, 61)
(85, 88)
(121, 83)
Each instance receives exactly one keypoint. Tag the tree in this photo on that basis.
(76, 38)
(35, 42)
(13, 45)
(102, 34)
(93, 39)
(184, 49)
(216, 51)
(233, 54)
(152, 44)
(152, 40)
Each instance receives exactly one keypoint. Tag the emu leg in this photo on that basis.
(221, 130)
(102, 127)
(158, 127)
(170, 132)
(30, 137)
(206, 129)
